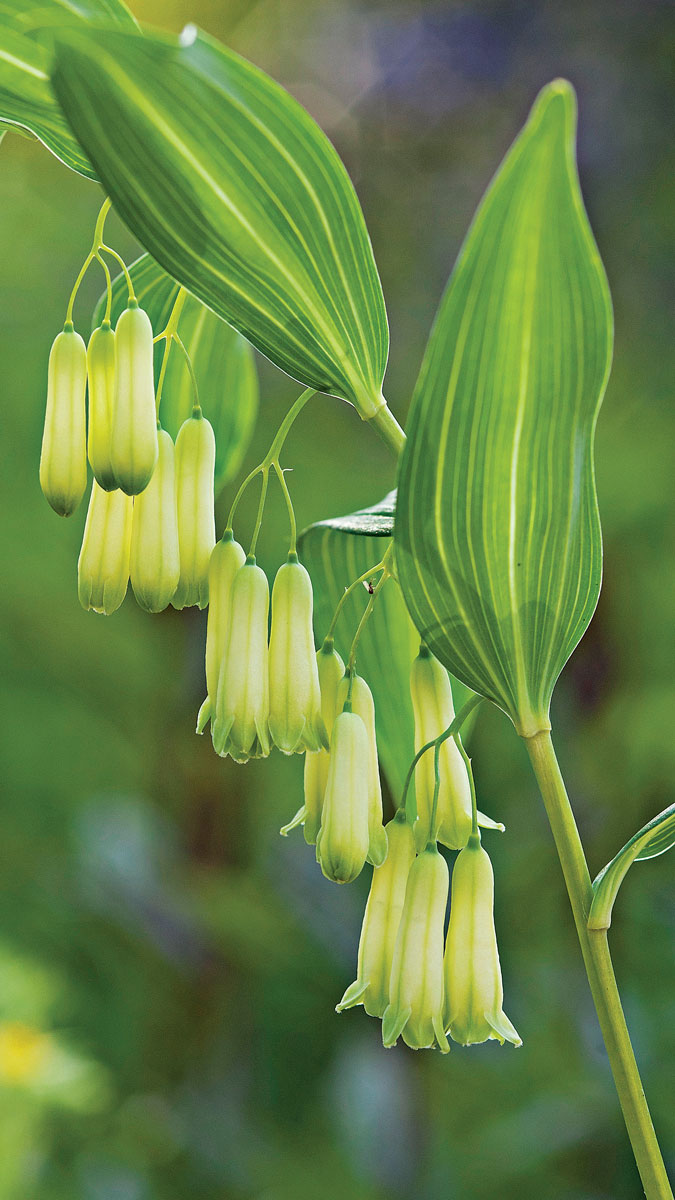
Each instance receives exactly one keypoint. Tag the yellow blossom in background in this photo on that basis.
(195, 466)
(101, 381)
(295, 721)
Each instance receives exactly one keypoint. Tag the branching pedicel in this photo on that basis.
(496, 535)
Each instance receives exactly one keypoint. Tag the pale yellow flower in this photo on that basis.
(63, 460)
(362, 703)
(195, 466)
(295, 722)
(101, 379)
(133, 450)
(240, 726)
(103, 565)
(342, 841)
(226, 559)
(155, 559)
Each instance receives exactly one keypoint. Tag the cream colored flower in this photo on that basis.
(103, 565)
(195, 466)
(226, 559)
(63, 460)
(155, 559)
(342, 841)
(240, 726)
(101, 379)
(362, 703)
(133, 450)
(296, 723)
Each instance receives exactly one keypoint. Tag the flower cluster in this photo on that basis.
(151, 520)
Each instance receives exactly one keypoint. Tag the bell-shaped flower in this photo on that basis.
(434, 712)
(155, 561)
(362, 703)
(473, 978)
(195, 466)
(240, 726)
(331, 670)
(343, 839)
(101, 378)
(133, 451)
(415, 1009)
(226, 559)
(381, 921)
(296, 723)
(103, 565)
(63, 461)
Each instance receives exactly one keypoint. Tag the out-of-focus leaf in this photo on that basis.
(657, 836)
(498, 541)
(27, 102)
(221, 357)
(235, 190)
(335, 553)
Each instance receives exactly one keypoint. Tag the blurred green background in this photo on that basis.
(168, 964)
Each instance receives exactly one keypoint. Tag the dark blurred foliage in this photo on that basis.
(168, 964)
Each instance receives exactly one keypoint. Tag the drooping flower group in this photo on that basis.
(151, 509)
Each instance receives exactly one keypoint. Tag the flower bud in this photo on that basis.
(195, 466)
(473, 979)
(133, 452)
(381, 921)
(342, 841)
(415, 1010)
(101, 377)
(155, 564)
(240, 727)
(331, 670)
(434, 712)
(103, 565)
(362, 703)
(63, 461)
(226, 559)
(296, 723)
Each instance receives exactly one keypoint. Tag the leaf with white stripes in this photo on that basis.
(27, 103)
(657, 836)
(335, 553)
(222, 360)
(498, 541)
(235, 190)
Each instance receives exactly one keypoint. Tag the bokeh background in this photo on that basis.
(168, 964)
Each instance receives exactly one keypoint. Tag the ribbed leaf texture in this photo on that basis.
(498, 542)
(235, 190)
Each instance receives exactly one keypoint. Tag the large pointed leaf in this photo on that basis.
(657, 836)
(222, 361)
(335, 553)
(235, 190)
(27, 102)
(497, 529)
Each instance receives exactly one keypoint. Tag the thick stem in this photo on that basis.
(389, 429)
(599, 969)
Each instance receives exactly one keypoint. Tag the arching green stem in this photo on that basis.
(598, 963)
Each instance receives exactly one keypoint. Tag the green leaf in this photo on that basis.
(26, 99)
(498, 542)
(235, 190)
(222, 361)
(335, 553)
(657, 836)
(27, 102)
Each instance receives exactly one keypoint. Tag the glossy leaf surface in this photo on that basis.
(27, 102)
(235, 190)
(657, 836)
(222, 360)
(497, 528)
(335, 553)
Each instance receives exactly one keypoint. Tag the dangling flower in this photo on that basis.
(415, 1010)
(195, 466)
(296, 723)
(331, 669)
(101, 377)
(240, 727)
(473, 979)
(362, 703)
(434, 712)
(103, 565)
(155, 562)
(342, 841)
(63, 461)
(133, 451)
(381, 921)
(226, 559)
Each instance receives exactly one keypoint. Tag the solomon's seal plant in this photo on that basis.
(473, 582)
